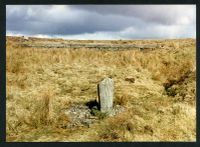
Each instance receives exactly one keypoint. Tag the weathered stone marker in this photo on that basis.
(105, 95)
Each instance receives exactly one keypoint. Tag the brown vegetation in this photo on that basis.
(156, 87)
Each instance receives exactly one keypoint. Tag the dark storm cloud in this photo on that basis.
(162, 14)
(91, 21)
(42, 20)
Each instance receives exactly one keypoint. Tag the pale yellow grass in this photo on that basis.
(41, 83)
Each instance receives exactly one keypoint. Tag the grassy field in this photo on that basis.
(160, 104)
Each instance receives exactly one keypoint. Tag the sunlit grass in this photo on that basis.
(41, 83)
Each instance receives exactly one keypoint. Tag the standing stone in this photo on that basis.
(105, 95)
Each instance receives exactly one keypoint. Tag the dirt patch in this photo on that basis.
(85, 115)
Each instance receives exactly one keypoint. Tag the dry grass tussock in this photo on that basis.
(157, 88)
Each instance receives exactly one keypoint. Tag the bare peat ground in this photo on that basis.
(156, 89)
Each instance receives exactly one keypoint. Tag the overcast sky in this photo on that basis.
(102, 21)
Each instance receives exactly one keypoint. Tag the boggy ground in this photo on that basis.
(156, 88)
